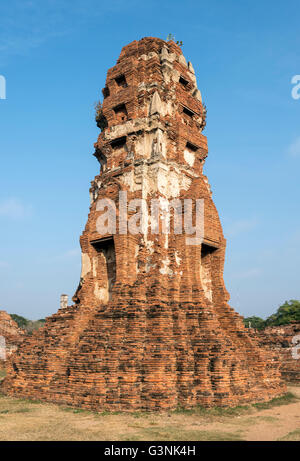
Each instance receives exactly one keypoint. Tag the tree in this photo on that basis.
(27, 325)
(21, 321)
(254, 322)
(287, 313)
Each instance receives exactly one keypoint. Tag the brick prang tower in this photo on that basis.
(150, 327)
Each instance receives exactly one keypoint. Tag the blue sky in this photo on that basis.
(54, 56)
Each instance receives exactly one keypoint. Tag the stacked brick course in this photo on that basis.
(12, 334)
(285, 341)
(150, 327)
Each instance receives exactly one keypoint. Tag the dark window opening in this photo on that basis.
(206, 269)
(101, 158)
(183, 81)
(121, 81)
(188, 112)
(68, 373)
(191, 147)
(107, 262)
(121, 112)
(118, 143)
(105, 92)
(16, 369)
(207, 249)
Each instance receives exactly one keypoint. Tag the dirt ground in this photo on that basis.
(27, 420)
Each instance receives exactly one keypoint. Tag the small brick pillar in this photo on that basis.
(64, 301)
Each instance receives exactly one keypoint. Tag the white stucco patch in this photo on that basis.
(157, 177)
(177, 258)
(189, 157)
(165, 269)
(85, 264)
(95, 265)
(101, 293)
(205, 275)
(182, 60)
(149, 246)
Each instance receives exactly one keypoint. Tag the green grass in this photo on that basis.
(22, 419)
(214, 411)
(198, 410)
(22, 410)
(292, 436)
(175, 434)
(285, 399)
(134, 414)
(76, 410)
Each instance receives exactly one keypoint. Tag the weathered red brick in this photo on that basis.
(12, 334)
(283, 340)
(150, 327)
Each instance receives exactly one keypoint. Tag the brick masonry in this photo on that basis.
(280, 340)
(150, 327)
(12, 334)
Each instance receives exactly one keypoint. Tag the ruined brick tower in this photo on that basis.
(150, 327)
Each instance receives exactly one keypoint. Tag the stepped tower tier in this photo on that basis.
(150, 327)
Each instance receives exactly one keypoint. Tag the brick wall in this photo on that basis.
(150, 327)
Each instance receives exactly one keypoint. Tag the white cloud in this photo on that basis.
(14, 208)
(241, 226)
(294, 148)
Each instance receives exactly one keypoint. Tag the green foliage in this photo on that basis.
(28, 325)
(21, 321)
(99, 116)
(254, 322)
(172, 37)
(34, 325)
(287, 313)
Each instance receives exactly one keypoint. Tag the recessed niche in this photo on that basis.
(183, 81)
(121, 81)
(121, 112)
(107, 265)
(118, 143)
(191, 147)
(207, 269)
(188, 112)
